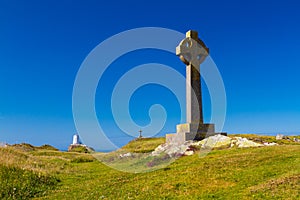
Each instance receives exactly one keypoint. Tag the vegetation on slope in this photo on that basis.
(79, 148)
(143, 145)
(29, 147)
(17, 183)
(47, 147)
(252, 173)
(27, 171)
(19, 175)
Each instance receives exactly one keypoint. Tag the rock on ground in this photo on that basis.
(244, 142)
(217, 141)
(172, 149)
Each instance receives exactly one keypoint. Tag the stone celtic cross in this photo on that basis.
(192, 51)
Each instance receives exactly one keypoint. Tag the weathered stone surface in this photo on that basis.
(270, 144)
(195, 128)
(191, 131)
(125, 155)
(173, 150)
(178, 138)
(189, 153)
(213, 142)
(279, 137)
(217, 141)
(244, 142)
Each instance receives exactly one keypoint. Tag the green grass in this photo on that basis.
(27, 171)
(19, 183)
(253, 173)
(47, 147)
(29, 147)
(222, 174)
(143, 145)
(79, 149)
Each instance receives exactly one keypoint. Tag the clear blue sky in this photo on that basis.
(255, 45)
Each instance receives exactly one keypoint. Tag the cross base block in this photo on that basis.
(191, 131)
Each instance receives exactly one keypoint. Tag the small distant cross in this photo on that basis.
(140, 133)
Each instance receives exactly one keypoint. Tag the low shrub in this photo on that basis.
(47, 147)
(83, 159)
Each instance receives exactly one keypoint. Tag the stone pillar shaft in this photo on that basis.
(194, 112)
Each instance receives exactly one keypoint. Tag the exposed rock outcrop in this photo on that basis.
(213, 142)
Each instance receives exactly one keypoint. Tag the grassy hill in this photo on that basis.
(253, 173)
